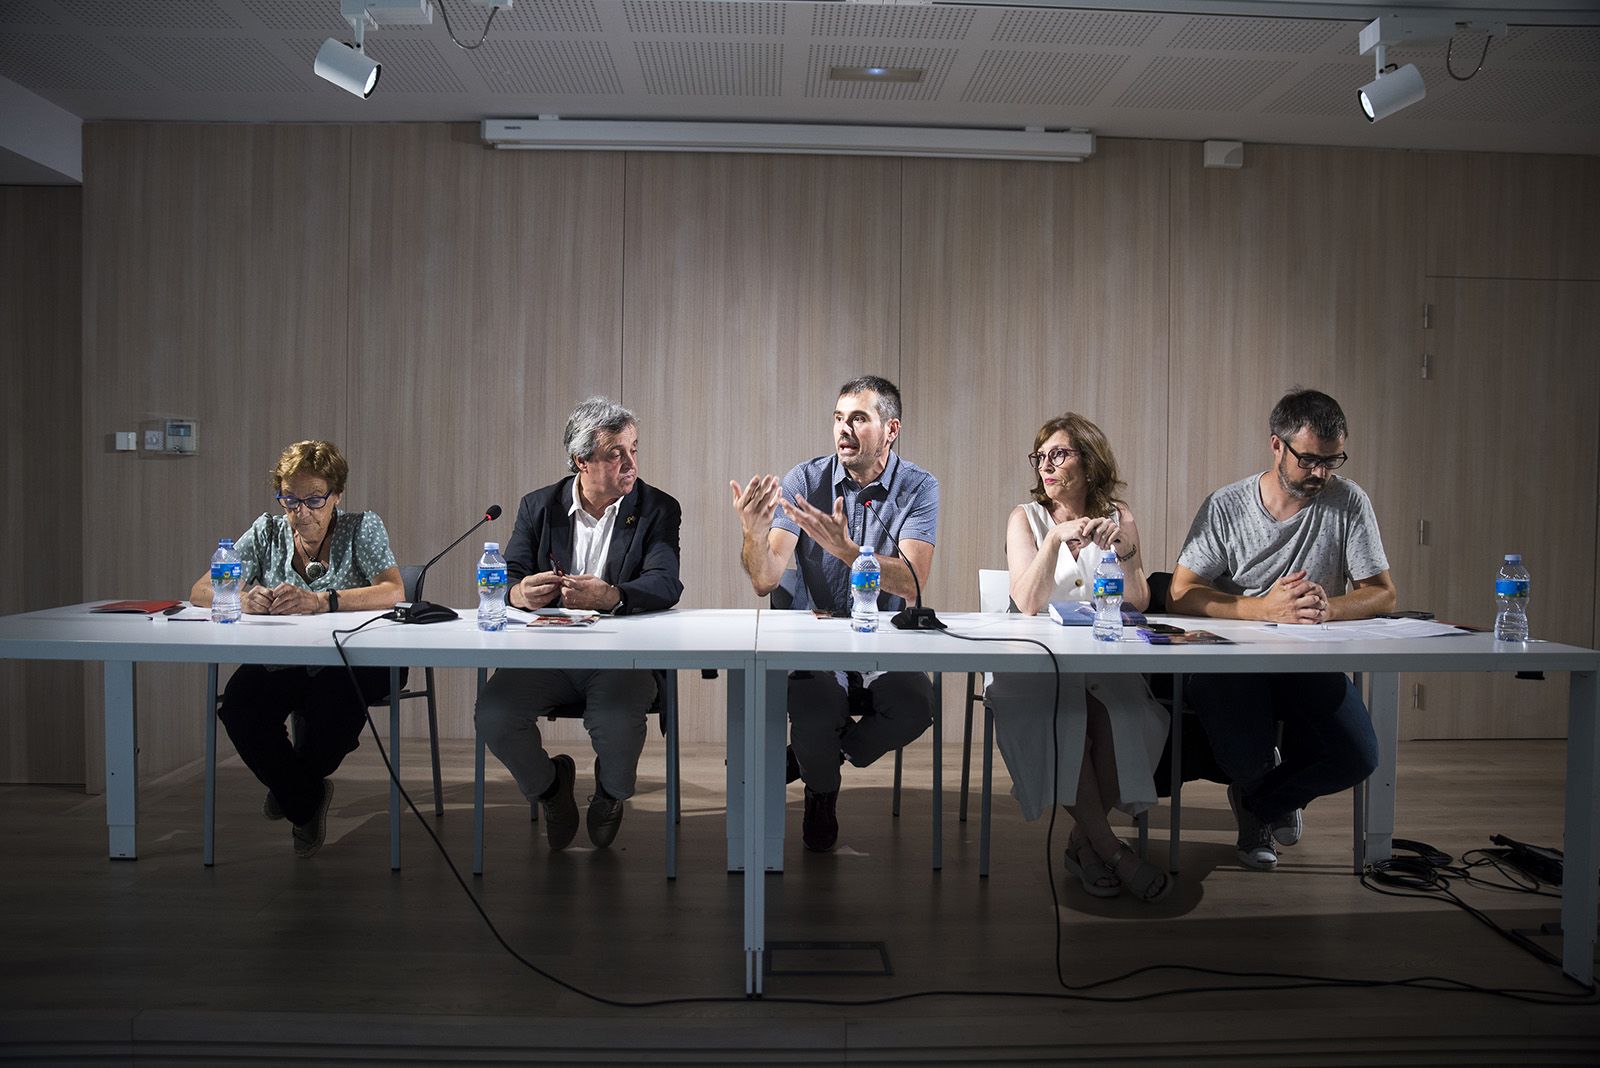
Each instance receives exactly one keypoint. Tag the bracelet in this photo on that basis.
(1130, 554)
(333, 600)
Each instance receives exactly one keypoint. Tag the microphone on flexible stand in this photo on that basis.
(420, 611)
(912, 617)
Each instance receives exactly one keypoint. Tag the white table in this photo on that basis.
(798, 641)
(721, 639)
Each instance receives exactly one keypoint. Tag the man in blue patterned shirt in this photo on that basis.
(817, 517)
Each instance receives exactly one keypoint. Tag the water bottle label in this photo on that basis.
(491, 577)
(864, 581)
(231, 572)
(1507, 587)
(1107, 586)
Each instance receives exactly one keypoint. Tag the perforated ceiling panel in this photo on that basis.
(215, 64)
(1095, 29)
(711, 68)
(1051, 78)
(896, 23)
(935, 61)
(409, 65)
(1510, 96)
(1571, 45)
(1328, 90)
(156, 14)
(18, 13)
(566, 68)
(549, 16)
(1211, 34)
(44, 62)
(699, 16)
(1179, 83)
(300, 16)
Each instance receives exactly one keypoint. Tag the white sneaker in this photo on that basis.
(1288, 828)
(1255, 837)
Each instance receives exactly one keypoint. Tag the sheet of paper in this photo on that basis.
(1361, 630)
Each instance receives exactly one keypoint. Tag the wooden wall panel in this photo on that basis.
(756, 285)
(1303, 268)
(488, 302)
(215, 268)
(1499, 215)
(1032, 289)
(42, 444)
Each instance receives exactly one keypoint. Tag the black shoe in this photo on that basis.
(821, 827)
(561, 808)
(791, 766)
(605, 814)
(308, 836)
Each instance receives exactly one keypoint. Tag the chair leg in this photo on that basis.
(1177, 773)
(669, 718)
(394, 761)
(477, 789)
(208, 853)
(433, 742)
(895, 806)
(938, 771)
(1142, 821)
(988, 793)
(966, 742)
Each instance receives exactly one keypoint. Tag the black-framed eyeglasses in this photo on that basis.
(1311, 461)
(1057, 456)
(314, 502)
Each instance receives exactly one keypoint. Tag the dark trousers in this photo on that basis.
(1328, 741)
(826, 718)
(256, 704)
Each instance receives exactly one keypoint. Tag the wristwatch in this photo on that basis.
(333, 600)
(622, 602)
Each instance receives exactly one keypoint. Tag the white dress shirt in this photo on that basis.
(591, 537)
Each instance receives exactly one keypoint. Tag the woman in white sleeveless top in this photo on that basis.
(1111, 731)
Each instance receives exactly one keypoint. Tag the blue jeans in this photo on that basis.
(1328, 741)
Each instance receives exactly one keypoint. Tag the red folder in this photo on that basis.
(148, 608)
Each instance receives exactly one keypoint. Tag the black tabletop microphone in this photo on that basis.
(912, 617)
(420, 611)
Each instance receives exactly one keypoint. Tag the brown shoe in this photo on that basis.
(605, 814)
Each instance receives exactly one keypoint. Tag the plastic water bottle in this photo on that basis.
(1108, 598)
(491, 588)
(865, 576)
(1511, 597)
(227, 575)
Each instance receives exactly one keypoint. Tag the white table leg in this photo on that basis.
(122, 760)
(757, 689)
(1581, 844)
(1385, 710)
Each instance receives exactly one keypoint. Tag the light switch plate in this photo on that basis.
(127, 440)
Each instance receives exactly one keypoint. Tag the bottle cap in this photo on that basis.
(1108, 556)
(1513, 558)
(491, 546)
(224, 543)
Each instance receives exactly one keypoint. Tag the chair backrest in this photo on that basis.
(994, 591)
(411, 575)
(1160, 584)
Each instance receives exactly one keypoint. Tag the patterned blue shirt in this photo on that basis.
(822, 581)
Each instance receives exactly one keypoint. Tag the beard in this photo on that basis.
(1300, 491)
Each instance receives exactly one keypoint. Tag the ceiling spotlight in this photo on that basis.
(1388, 93)
(348, 66)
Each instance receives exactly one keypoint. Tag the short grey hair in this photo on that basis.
(586, 423)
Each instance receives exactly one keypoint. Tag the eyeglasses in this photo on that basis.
(1310, 461)
(1056, 456)
(315, 503)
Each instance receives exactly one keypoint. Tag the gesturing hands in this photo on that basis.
(829, 530)
(756, 502)
(1296, 599)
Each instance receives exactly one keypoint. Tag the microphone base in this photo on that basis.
(423, 612)
(917, 618)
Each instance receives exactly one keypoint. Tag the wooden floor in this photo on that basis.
(273, 958)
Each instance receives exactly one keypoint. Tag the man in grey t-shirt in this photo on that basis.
(1293, 545)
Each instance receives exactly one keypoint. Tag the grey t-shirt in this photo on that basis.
(1237, 546)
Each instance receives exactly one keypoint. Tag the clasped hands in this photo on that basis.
(1076, 533)
(281, 600)
(587, 592)
(1296, 599)
(756, 502)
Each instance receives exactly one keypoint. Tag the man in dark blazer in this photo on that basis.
(600, 539)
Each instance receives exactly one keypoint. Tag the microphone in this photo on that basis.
(420, 611)
(912, 617)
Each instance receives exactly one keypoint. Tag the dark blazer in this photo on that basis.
(642, 561)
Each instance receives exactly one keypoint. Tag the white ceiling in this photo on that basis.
(1162, 70)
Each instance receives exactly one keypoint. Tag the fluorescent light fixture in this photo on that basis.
(1069, 146)
(875, 74)
(1388, 93)
(348, 67)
